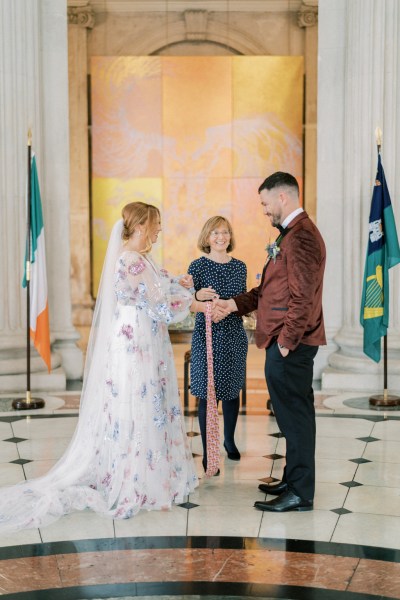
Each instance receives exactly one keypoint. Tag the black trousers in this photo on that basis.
(289, 382)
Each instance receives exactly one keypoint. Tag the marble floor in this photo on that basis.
(216, 544)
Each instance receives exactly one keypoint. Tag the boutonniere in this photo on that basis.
(273, 249)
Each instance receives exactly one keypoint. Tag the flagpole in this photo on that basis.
(28, 274)
(29, 402)
(385, 377)
(385, 399)
(382, 400)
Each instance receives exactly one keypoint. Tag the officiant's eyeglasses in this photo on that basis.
(224, 232)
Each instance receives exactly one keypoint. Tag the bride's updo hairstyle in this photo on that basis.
(139, 213)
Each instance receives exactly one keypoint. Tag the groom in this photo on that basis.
(290, 327)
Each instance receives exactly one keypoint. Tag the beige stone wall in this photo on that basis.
(252, 33)
(203, 27)
(80, 20)
(82, 302)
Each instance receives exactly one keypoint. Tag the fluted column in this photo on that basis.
(80, 20)
(34, 93)
(307, 18)
(365, 58)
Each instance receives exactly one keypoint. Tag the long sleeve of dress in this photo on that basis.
(140, 282)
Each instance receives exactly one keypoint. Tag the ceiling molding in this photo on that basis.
(234, 40)
(76, 3)
(81, 15)
(195, 24)
(307, 15)
(135, 6)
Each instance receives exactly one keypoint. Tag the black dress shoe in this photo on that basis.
(285, 502)
(274, 490)
(235, 455)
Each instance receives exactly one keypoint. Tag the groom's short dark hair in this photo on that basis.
(279, 179)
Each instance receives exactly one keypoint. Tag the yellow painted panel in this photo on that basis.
(253, 230)
(109, 197)
(197, 136)
(126, 117)
(267, 115)
(197, 113)
(188, 203)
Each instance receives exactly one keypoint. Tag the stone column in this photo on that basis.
(308, 19)
(80, 19)
(34, 94)
(359, 75)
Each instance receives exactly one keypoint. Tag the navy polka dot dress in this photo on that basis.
(229, 338)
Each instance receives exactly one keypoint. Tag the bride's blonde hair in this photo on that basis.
(139, 213)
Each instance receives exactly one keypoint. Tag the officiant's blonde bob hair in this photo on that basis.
(139, 213)
(203, 243)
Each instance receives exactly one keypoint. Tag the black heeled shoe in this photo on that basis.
(205, 468)
(235, 455)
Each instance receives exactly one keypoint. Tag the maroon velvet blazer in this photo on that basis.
(289, 298)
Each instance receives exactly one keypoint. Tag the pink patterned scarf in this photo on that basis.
(212, 425)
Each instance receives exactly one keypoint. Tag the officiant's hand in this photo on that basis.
(205, 294)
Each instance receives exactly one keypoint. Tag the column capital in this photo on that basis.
(308, 14)
(80, 13)
(195, 24)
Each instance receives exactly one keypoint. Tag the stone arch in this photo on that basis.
(201, 48)
(234, 40)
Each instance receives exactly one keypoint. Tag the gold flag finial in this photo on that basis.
(29, 137)
(378, 136)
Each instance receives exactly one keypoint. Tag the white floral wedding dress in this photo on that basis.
(130, 450)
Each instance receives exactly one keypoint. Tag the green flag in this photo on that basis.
(383, 252)
(39, 308)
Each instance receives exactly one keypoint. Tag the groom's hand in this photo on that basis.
(222, 308)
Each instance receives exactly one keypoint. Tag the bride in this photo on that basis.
(129, 450)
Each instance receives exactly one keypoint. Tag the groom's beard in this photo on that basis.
(275, 220)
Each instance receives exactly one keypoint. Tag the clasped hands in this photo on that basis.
(220, 308)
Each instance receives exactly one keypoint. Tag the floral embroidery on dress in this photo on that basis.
(113, 388)
(175, 412)
(127, 331)
(142, 288)
(121, 273)
(160, 420)
(106, 480)
(176, 305)
(157, 402)
(137, 267)
(149, 458)
(115, 435)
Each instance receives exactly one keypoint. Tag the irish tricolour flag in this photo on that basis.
(39, 310)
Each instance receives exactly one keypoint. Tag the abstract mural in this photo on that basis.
(195, 136)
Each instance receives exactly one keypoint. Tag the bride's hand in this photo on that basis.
(186, 281)
(206, 294)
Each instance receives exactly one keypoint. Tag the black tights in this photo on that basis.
(230, 410)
